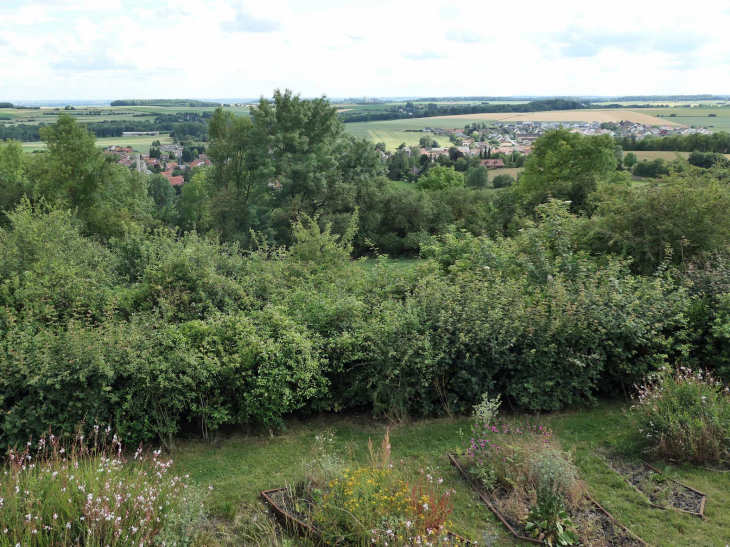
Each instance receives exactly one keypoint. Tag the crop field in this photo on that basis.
(238, 110)
(652, 155)
(671, 104)
(108, 113)
(392, 139)
(694, 117)
(513, 171)
(581, 115)
(667, 156)
(139, 144)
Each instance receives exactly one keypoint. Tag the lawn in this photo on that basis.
(139, 144)
(238, 466)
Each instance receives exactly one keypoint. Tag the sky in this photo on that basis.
(149, 49)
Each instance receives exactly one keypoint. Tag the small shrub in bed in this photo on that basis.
(684, 415)
(56, 495)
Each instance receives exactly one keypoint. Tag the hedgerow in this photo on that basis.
(162, 331)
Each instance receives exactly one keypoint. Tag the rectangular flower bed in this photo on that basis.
(286, 514)
(661, 492)
(619, 535)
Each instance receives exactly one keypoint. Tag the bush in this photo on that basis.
(486, 411)
(503, 181)
(88, 492)
(684, 415)
(551, 473)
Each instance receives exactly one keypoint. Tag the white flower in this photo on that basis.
(425, 506)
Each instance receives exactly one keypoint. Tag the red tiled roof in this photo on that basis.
(176, 181)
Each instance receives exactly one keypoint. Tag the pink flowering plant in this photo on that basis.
(90, 493)
(684, 415)
(498, 454)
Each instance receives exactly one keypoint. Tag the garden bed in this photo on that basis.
(293, 515)
(590, 514)
(661, 491)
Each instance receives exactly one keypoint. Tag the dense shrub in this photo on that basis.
(685, 415)
(161, 331)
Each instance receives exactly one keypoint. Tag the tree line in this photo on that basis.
(164, 102)
(432, 110)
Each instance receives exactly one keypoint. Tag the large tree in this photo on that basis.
(291, 158)
(566, 166)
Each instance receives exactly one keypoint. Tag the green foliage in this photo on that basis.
(566, 166)
(677, 219)
(630, 160)
(440, 178)
(552, 474)
(549, 522)
(486, 410)
(684, 415)
(13, 178)
(503, 181)
(477, 177)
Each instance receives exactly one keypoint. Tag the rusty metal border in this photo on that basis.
(516, 534)
(703, 501)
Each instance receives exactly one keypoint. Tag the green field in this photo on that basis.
(393, 132)
(139, 144)
(694, 116)
(662, 103)
(239, 466)
(108, 113)
(667, 156)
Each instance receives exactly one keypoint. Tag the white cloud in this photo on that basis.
(424, 55)
(218, 48)
(465, 36)
(245, 22)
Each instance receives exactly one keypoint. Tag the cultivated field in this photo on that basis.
(661, 103)
(392, 139)
(108, 113)
(667, 156)
(582, 115)
(694, 117)
(139, 144)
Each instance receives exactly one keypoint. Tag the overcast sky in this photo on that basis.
(115, 49)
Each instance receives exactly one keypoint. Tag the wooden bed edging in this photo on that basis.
(288, 521)
(516, 534)
(492, 508)
(285, 519)
(703, 500)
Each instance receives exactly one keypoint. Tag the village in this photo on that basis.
(170, 165)
(516, 138)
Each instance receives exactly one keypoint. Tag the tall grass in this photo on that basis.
(88, 492)
(684, 415)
